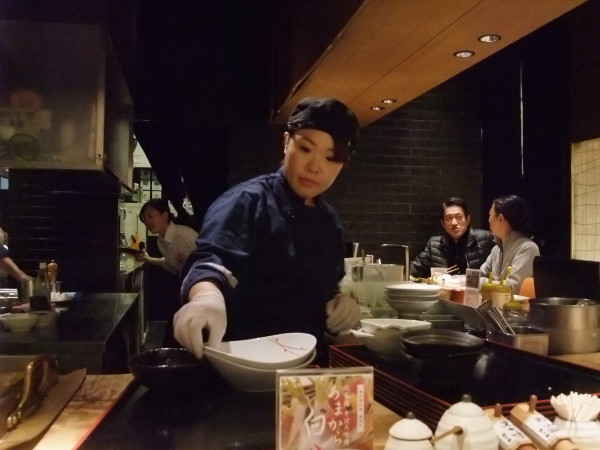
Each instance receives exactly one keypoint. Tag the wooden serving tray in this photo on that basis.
(33, 426)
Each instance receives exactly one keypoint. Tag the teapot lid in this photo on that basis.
(466, 408)
(410, 429)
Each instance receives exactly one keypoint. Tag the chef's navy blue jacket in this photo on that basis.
(287, 258)
(3, 251)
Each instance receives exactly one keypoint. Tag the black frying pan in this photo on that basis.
(432, 343)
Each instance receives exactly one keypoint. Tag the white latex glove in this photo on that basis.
(207, 310)
(343, 313)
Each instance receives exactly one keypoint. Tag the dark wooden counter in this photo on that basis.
(214, 417)
(98, 331)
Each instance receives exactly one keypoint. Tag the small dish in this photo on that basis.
(521, 298)
(384, 343)
(63, 297)
(19, 322)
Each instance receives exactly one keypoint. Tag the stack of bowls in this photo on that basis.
(251, 365)
(410, 299)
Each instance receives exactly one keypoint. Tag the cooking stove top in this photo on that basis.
(501, 374)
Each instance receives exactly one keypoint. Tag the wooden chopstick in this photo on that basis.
(454, 268)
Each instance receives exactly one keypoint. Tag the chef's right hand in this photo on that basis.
(205, 310)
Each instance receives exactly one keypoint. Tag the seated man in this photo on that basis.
(459, 245)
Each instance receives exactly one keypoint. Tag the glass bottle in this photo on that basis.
(135, 193)
(41, 289)
(52, 270)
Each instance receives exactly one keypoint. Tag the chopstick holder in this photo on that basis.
(542, 432)
(510, 437)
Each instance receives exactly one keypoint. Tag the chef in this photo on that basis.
(270, 252)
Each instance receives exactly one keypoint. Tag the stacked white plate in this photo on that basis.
(251, 364)
(411, 298)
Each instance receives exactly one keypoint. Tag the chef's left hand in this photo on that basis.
(343, 313)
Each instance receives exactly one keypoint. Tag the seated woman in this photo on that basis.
(510, 223)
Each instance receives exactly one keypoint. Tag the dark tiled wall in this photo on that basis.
(407, 163)
(67, 216)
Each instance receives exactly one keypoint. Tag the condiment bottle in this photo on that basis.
(487, 288)
(136, 241)
(135, 193)
(514, 312)
(502, 292)
(542, 432)
(52, 272)
(40, 300)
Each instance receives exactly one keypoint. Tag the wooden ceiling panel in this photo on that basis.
(402, 49)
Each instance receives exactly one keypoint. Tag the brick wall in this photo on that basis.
(407, 163)
(70, 217)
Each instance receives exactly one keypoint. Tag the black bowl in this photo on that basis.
(169, 368)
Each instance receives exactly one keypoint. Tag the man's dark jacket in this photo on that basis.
(436, 253)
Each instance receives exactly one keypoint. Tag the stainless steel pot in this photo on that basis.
(572, 323)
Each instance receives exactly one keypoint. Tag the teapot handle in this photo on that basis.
(454, 430)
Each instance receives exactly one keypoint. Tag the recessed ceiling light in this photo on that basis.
(388, 100)
(488, 38)
(464, 54)
(377, 108)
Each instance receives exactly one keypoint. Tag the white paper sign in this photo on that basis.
(472, 288)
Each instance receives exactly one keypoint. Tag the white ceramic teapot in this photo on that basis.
(476, 430)
(409, 434)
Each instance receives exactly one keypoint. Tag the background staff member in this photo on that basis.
(175, 241)
(459, 244)
(271, 250)
(6, 262)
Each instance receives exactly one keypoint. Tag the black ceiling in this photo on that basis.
(202, 60)
(221, 60)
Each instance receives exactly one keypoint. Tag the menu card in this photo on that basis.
(472, 288)
(325, 408)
